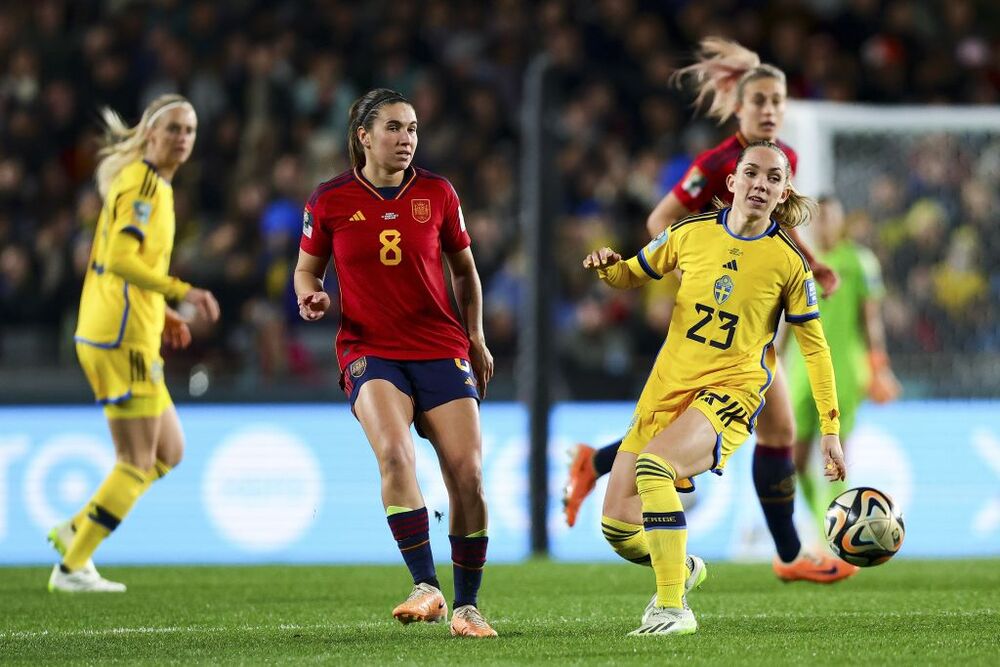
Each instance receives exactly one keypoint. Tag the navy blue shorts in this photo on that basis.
(429, 383)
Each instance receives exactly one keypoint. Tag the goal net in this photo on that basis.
(921, 188)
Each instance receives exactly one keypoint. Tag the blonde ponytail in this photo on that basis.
(798, 209)
(723, 69)
(123, 144)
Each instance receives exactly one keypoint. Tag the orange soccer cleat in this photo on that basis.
(820, 568)
(425, 604)
(466, 621)
(582, 478)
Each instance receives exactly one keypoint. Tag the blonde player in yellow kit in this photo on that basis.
(740, 273)
(123, 318)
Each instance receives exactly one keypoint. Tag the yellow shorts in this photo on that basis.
(127, 381)
(728, 410)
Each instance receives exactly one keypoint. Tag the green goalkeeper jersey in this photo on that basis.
(842, 316)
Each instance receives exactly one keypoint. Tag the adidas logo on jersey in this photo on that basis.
(358, 217)
(731, 265)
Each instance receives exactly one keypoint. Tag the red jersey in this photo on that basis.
(387, 254)
(706, 177)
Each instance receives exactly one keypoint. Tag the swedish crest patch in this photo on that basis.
(723, 289)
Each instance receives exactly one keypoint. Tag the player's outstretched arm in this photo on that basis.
(124, 261)
(615, 272)
(469, 295)
(308, 281)
(819, 367)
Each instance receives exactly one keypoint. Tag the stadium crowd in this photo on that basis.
(272, 83)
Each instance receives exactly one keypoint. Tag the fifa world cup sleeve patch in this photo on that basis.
(657, 241)
(694, 182)
(811, 298)
(307, 224)
(142, 210)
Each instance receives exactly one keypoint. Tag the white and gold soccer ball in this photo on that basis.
(864, 527)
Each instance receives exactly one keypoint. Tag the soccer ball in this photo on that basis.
(864, 527)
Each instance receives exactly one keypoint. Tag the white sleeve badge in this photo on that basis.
(307, 224)
(142, 210)
(811, 297)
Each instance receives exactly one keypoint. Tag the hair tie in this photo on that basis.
(388, 97)
(166, 107)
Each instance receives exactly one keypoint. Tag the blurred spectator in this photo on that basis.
(272, 83)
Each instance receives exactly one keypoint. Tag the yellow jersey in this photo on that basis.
(123, 299)
(733, 292)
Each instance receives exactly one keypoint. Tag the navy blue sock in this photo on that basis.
(774, 479)
(412, 534)
(605, 457)
(468, 555)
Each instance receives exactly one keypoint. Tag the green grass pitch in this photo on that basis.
(902, 613)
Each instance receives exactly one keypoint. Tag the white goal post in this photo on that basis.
(928, 180)
(812, 127)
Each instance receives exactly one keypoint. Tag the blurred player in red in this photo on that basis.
(735, 82)
(405, 356)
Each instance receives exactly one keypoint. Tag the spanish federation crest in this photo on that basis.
(421, 209)
(358, 367)
(723, 289)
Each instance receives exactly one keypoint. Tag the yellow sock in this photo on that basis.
(112, 501)
(665, 527)
(159, 471)
(627, 539)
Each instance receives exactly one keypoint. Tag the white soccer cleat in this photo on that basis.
(667, 621)
(61, 538)
(81, 581)
(697, 574)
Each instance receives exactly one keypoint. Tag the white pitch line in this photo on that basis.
(736, 616)
(961, 613)
(193, 629)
